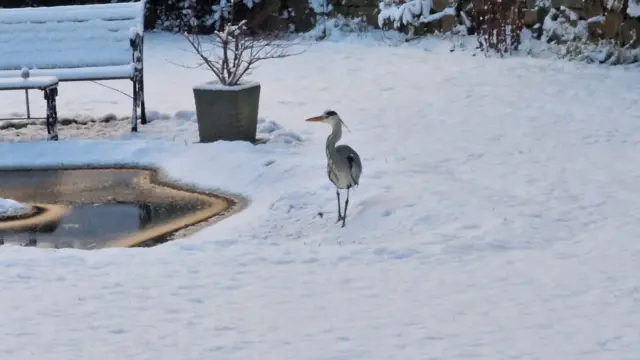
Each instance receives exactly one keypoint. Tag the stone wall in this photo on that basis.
(368, 10)
(603, 19)
(598, 19)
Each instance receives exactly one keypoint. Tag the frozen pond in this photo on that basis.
(105, 206)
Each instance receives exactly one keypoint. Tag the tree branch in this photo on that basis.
(231, 53)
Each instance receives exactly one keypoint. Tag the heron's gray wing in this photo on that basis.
(351, 158)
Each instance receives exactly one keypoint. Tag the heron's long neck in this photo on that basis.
(334, 137)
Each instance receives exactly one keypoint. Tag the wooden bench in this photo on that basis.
(74, 43)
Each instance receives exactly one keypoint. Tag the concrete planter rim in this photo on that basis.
(215, 85)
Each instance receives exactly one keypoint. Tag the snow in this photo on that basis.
(633, 9)
(39, 82)
(489, 223)
(79, 14)
(216, 85)
(404, 14)
(134, 32)
(562, 28)
(68, 36)
(570, 13)
(107, 72)
(438, 15)
(10, 207)
(596, 19)
(320, 6)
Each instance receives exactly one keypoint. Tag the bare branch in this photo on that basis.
(196, 66)
(195, 43)
(231, 53)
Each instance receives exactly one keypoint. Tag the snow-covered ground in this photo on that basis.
(10, 207)
(497, 216)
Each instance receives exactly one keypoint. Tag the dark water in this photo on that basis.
(89, 226)
(106, 204)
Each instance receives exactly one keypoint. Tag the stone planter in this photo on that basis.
(227, 112)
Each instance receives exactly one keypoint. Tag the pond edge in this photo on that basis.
(235, 203)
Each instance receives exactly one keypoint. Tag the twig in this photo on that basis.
(237, 53)
(112, 88)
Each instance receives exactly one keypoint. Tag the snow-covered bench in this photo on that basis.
(48, 84)
(76, 43)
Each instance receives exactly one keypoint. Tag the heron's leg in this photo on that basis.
(339, 205)
(346, 204)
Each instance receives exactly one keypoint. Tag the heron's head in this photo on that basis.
(328, 117)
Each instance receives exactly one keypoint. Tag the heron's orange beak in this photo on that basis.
(316, 118)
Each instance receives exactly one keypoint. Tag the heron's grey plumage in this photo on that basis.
(351, 164)
(343, 162)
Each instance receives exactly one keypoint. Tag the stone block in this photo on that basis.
(479, 4)
(571, 4)
(360, 3)
(530, 17)
(448, 23)
(302, 18)
(630, 33)
(439, 5)
(595, 30)
(426, 28)
(615, 5)
(611, 25)
(370, 15)
(592, 8)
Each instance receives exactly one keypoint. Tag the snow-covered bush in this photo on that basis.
(231, 53)
(195, 15)
(615, 5)
(544, 4)
(602, 52)
(571, 40)
(499, 26)
(321, 9)
(320, 6)
(338, 27)
(561, 26)
(398, 14)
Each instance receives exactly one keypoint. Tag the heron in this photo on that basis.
(343, 163)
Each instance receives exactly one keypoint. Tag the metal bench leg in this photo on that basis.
(143, 111)
(134, 114)
(52, 113)
(26, 97)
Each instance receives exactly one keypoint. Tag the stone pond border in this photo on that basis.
(224, 204)
(42, 216)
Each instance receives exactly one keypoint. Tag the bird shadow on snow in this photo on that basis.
(311, 216)
(378, 213)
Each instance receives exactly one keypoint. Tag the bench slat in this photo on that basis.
(78, 74)
(73, 13)
(64, 45)
(40, 82)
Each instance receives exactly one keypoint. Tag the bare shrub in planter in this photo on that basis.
(227, 109)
